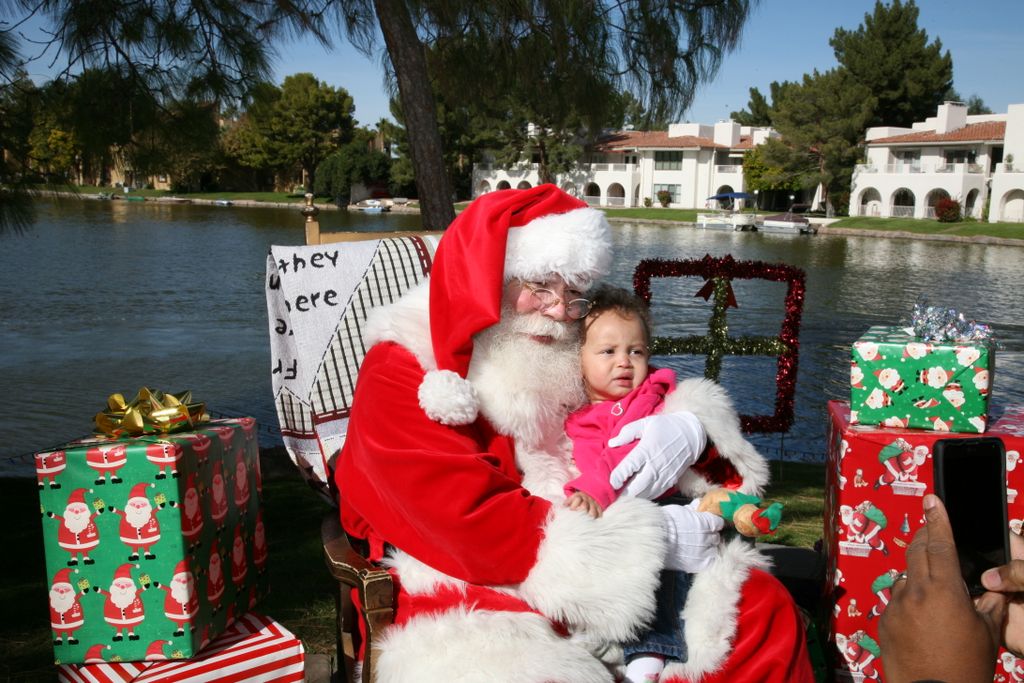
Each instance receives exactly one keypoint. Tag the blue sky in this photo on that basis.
(782, 40)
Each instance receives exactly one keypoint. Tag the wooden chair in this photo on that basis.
(313, 427)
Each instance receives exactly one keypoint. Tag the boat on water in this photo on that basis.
(726, 221)
(175, 200)
(222, 202)
(129, 197)
(372, 206)
(788, 224)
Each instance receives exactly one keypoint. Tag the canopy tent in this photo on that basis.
(732, 195)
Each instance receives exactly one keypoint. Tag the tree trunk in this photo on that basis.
(420, 113)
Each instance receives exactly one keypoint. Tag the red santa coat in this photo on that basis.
(142, 537)
(449, 501)
(68, 621)
(127, 617)
(180, 612)
(80, 542)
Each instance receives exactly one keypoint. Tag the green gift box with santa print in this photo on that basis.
(899, 380)
(154, 544)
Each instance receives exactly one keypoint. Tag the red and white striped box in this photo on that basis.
(255, 649)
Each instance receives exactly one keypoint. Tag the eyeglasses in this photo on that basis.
(545, 299)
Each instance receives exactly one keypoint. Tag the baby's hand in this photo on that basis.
(581, 501)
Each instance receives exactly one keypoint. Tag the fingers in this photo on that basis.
(630, 432)
(992, 608)
(1016, 546)
(628, 467)
(943, 563)
(1008, 578)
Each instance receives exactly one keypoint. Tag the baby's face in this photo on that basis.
(613, 356)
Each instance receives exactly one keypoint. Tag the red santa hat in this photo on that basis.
(527, 234)
(77, 496)
(181, 568)
(156, 650)
(94, 654)
(62, 576)
(139, 490)
(124, 572)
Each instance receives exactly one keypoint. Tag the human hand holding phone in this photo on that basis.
(930, 607)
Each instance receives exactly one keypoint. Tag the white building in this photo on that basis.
(690, 161)
(973, 159)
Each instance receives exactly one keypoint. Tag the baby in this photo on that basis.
(622, 387)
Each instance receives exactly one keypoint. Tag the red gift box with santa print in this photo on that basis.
(154, 544)
(876, 478)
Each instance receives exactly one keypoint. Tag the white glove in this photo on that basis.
(669, 444)
(692, 537)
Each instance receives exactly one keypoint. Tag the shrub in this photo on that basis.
(664, 197)
(947, 210)
(648, 203)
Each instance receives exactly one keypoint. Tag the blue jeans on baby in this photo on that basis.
(665, 636)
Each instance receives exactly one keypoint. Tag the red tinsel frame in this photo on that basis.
(727, 269)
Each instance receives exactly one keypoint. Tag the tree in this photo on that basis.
(354, 162)
(891, 57)
(759, 111)
(659, 50)
(821, 122)
(309, 121)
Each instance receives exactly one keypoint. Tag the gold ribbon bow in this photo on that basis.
(150, 412)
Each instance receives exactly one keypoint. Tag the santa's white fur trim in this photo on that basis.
(576, 245)
(712, 609)
(448, 398)
(419, 578)
(405, 322)
(712, 406)
(460, 646)
(599, 574)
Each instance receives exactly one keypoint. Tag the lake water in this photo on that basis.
(104, 297)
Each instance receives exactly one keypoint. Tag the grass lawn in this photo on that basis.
(301, 591)
(932, 227)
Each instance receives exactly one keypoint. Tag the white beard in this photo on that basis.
(526, 388)
(122, 598)
(191, 503)
(62, 601)
(138, 516)
(181, 591)
(76, 522)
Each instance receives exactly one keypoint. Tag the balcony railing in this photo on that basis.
(729, 168)
(902, 212)
(616, 201)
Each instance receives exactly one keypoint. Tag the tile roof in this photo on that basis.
(634, 139)
(974, 132)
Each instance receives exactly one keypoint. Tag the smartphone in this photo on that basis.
(970, 478)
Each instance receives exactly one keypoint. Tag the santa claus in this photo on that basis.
(77, 533)
(215, 579)
(191, 513)
(106, 461)
(259, 551)
(456, 437)
(155, 650)
(200, 444)
(241, 482)
(882, 588)
(219, 496)
(165, 455)
(48, 466)
(864, 524)
(139, 527)
(902, 462)
(860, 652)
(66, 615)
(123, 608)
(181, 602)
(239, 563)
